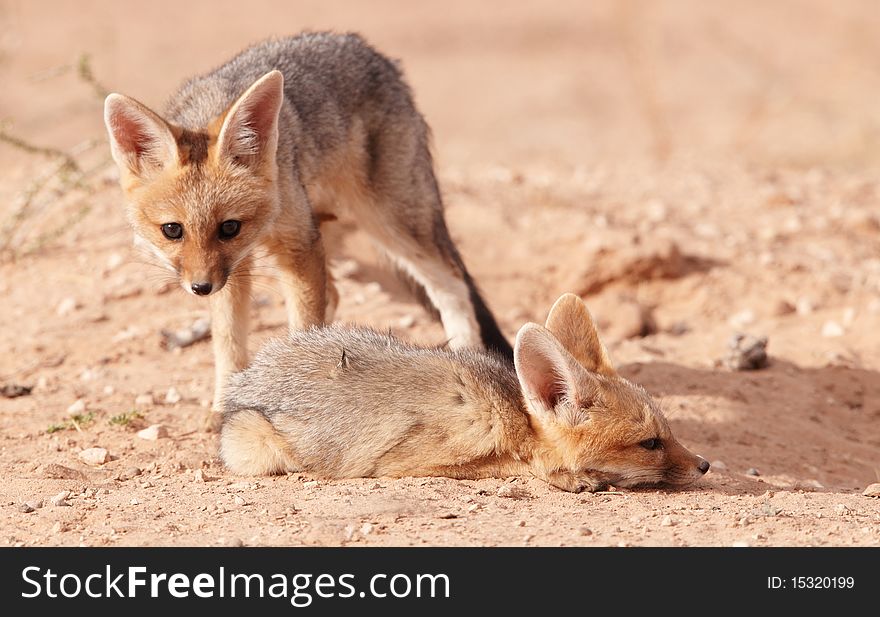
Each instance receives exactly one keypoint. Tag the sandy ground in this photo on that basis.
(692, 171)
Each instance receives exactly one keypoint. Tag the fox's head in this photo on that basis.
(592, 424)
(198, 200)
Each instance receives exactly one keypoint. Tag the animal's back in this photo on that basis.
(328, 78)
(354, 402)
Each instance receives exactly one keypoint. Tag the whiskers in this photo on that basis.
(158, 275)
(256, 272)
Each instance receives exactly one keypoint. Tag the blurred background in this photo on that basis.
(791, 81)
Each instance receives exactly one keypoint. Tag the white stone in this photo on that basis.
(873, 490)
(67, 306)
(78, 407)
(60, 499)
(94, 456)
(743, 318)
(153, 432)
(172, 396)
(832, 329)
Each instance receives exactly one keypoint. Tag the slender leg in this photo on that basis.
(304, 283)
(230, 316)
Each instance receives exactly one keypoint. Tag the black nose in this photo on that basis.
(202, 289)
(704, 466)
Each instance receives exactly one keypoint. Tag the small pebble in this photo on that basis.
(60, 500)
(36, 504)
(129, 473)
(841, 509)
(153, 432)
(751, 471)
(25, 508)
(78, 407)
(239, 500)
(873, 490)
(832, 329)
(511, 491)
(667, 522)
(94, 456)
(134, 501)
(66, 307)
(366, 529)
(201, 476)
(743, 318)
(144, 400)
(584, 531)
(746, 353)
(310, 484)
(172, 396)
(718, 466)
(804, 306)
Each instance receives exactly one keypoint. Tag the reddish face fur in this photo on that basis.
(593, 427)
(200, 197)
(605, 441)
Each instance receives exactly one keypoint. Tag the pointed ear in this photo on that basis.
(572, 325)
(140, 140)
(549, 375)
(249, 135)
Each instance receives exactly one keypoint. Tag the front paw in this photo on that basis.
(575, 483)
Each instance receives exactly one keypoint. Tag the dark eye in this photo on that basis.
(229, 229)
(172, 231)
(651, 444)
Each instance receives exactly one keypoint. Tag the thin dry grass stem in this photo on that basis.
(68, 163)
(64, 175)
(85, 73)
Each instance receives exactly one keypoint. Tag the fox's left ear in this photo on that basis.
(249, 135)
(572, 325)
(140, 140)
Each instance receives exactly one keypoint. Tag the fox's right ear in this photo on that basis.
(572, 325)
(140, 140)
(550, 376)
(249, 135)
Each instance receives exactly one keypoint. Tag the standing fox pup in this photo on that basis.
(255, 153)
(355, 403)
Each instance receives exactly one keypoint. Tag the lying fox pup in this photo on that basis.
(346, 403)
(257, 152)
